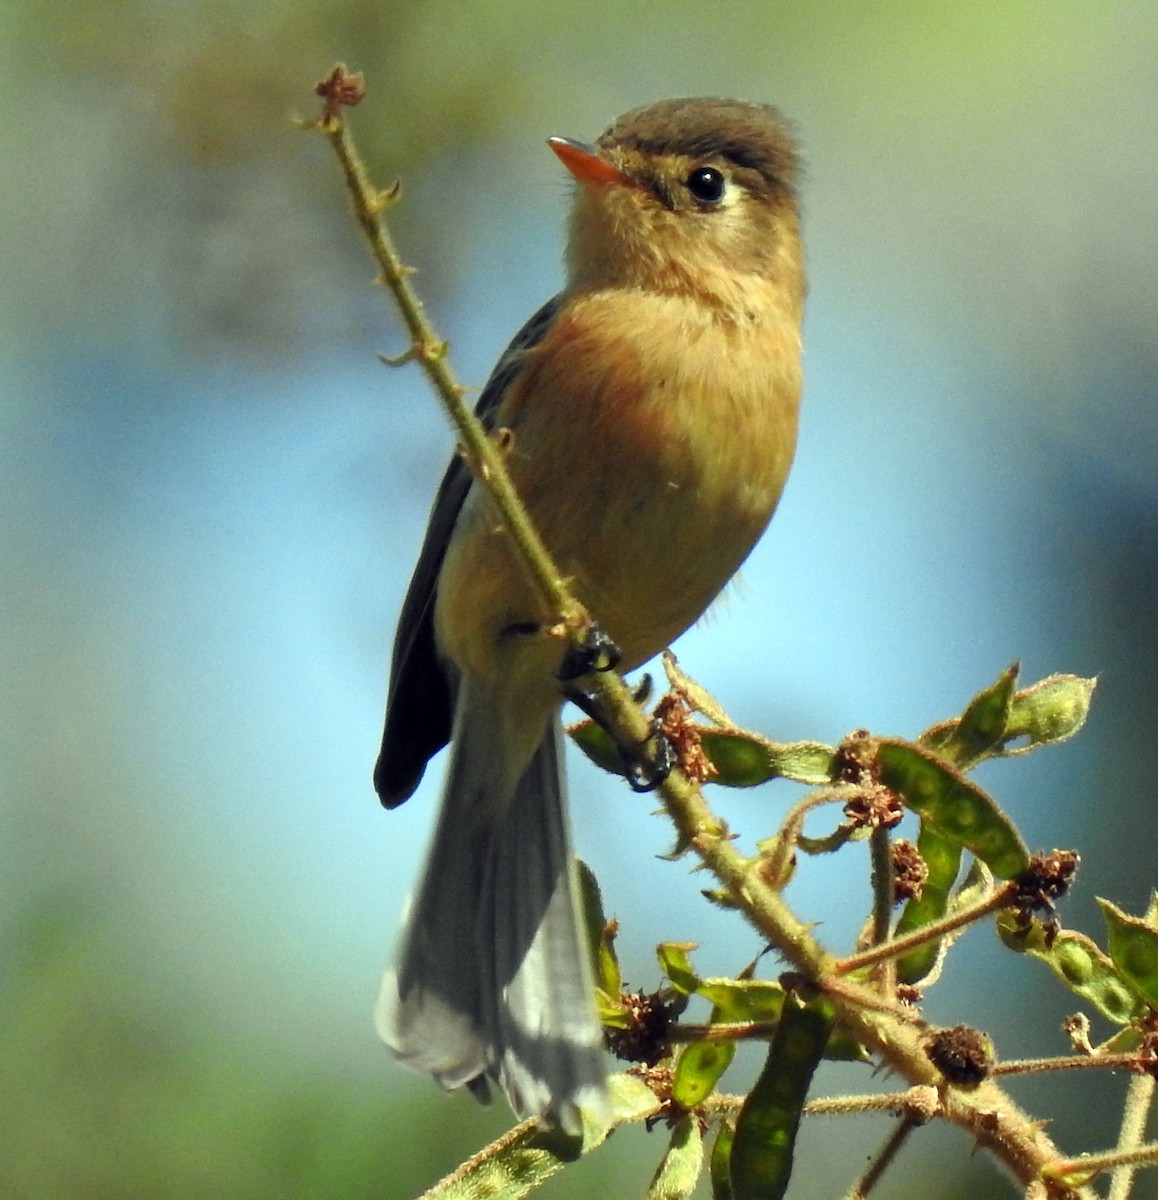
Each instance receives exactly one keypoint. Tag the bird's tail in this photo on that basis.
(492, 976)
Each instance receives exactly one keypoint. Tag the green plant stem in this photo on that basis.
(882, 1160)
(1074, 1062)
(826, 1106)
(1139, 1098)
(430, 352)
(833, 1106)
(882, 866)
(725, 1031)
(779, 850)
(1088, 1164)
(928, 933)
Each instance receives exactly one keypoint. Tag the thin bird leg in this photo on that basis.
(643, 771)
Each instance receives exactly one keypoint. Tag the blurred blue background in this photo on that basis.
(213, 495)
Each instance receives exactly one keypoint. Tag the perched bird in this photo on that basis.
(650, 415)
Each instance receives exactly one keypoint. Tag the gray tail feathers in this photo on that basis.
(492, 975)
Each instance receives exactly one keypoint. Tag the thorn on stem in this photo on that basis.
(503, 439)
(384, 199)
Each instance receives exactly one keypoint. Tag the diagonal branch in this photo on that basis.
(430, 351)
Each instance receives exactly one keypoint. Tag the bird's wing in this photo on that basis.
(420, 699)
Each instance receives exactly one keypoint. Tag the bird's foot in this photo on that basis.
(596, 653)
(644, 770)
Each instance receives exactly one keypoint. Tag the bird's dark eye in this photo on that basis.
(707, 185)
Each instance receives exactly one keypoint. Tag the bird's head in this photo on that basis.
(693, 196)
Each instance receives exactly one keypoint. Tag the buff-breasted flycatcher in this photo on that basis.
(651, 409)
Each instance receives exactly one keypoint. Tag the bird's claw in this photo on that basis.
(596, 653)
(646, 774)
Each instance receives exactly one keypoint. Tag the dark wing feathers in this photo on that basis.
(420, 699)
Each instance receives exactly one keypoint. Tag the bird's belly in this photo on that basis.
(663, 534)
(649, 474)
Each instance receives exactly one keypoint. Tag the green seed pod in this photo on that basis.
(942, 856)
(981, 727)
(698, 1070)
(720, 1164)
(1133, 946)
(1079, 963)
(761, 1158)
(960, 810)
(745, 759)
(1050, 711)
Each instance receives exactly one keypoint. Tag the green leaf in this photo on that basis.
(960, 810)
(1133, 947)
(631, 1099)
(597, 744)
(743, 999)
(1125, 1041)
(1071, 1174)
(1079, 963)
(679, 1170)
(600, 934)
(676, 964)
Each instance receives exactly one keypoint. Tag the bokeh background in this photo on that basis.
(212, 495)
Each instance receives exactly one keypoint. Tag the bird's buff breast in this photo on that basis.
(650, 442)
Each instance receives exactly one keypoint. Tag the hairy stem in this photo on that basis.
(928, 933)
(883, 1159)
(430, 352)
(1139, 1097)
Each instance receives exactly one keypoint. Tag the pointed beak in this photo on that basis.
(585, 164)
